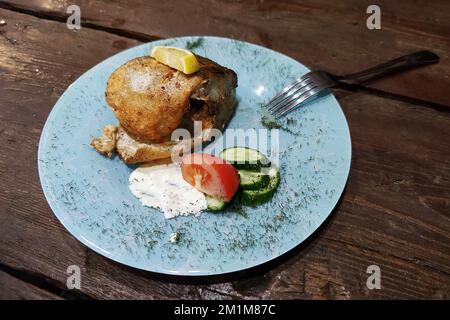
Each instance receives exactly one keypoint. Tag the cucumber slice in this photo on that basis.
(214, 204)
(259, 196)
(251, 180)
(245, 158)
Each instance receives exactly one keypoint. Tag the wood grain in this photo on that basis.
(319, 33)
(395, 211)
(12, 288)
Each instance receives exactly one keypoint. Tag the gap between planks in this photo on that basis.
(147, 38)
(44, 283)
(63, 18)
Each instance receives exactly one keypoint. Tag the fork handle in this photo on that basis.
(403, 63)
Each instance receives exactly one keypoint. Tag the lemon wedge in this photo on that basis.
(181, 59)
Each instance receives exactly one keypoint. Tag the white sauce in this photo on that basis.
(163, 187)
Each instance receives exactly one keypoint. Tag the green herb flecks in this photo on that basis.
(270, 122)
(237, 207)
(240, 211)
(195, 44)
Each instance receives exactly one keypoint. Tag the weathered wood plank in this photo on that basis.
(12, 288)
(328, 34)
(30, 85)
(394, 213)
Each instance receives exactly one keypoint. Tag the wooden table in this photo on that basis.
(395, 212)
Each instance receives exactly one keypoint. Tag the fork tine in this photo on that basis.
(308, 95)
(306, 87)
(293, 98)
(289, 94)
(286, 90)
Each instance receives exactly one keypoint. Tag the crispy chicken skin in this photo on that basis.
(106, 143)
(132, 151)
(214, 116)
(150, 99)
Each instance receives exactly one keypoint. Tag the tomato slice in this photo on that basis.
(211, 175)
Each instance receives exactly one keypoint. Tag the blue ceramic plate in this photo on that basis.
(90, 196)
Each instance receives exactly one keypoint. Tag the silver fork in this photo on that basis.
(317, 82)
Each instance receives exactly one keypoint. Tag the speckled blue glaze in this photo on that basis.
(90, 196)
